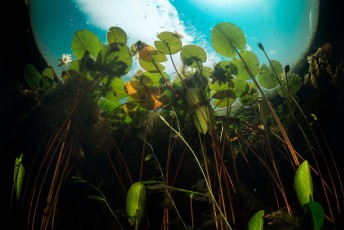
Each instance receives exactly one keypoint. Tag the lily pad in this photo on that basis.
(116, 35)
(303, 184)
(193, 55)
(225, 36)
(256, 222)
(250, 62)
(135, 203)
(169, 43)
(86, 40)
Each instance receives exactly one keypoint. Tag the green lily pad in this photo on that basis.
(86, 40)
(192, 55)
(256, 222)
(169, 43)
(252, 63)
(18, 178)
(303, 184)
(317, 213)
(135, 203)
(225, 36)
(116, 35)
(202, 119)
(115, 60)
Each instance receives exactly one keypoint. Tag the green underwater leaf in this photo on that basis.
(19, 174)
(269, 77)
(252, 63)
(47, 78)
(192, 55)
(151, 66)
(116, 35)
(135, 203)
(303, 184)
(32, 76)
(192, 97)
(293, 86)
(276, 68)
(224, 71)
(157, 79)
(115, 60)
(169, 43)
(222, 94)
(202, 119)
(256, 222)
(48, 72)
(224, 36)
(108, 106)
(317, 213)
(115, 91)
(250, 94)
(85, 40)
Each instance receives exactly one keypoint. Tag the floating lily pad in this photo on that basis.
(193, 55)
(116, 35)
(86, 40)
(169, 43)
(225, 36)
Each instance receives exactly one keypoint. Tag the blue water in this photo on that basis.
(283, 27)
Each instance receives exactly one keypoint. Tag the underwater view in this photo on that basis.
(173, 114)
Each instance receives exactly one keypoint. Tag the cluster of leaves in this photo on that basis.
(206, 90)
(210, 96)
(303, 186)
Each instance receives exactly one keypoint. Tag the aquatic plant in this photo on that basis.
(205, 133)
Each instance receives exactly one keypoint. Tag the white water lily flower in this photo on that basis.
(66, 58)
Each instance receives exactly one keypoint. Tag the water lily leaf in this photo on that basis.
(256, 222)
(215, 86)
(192, 55)
(86, 65)
(192, 97)
(207, 71)
(146, 52)
(159, 57)
(116, 35)
(85, 40)
(115, 60)
(18, 178)
(47, 78)
(108, 106)
(276, 66)
(267, 77)
(240, 87)
(48, 72)
(32, 76)
(115, 91)
(252, 63)
(157, 79)
(250, 95)
(223, 103)
(135, 203)
(221, 94)
(223, 71)
(317, 213)
(169, 43)
(293, 86)
(202, 118)
(224, 36)
(303, 184)
(150, 66)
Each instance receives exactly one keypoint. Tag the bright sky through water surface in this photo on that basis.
(283, 27)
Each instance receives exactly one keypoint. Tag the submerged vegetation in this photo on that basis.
(206, 148)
